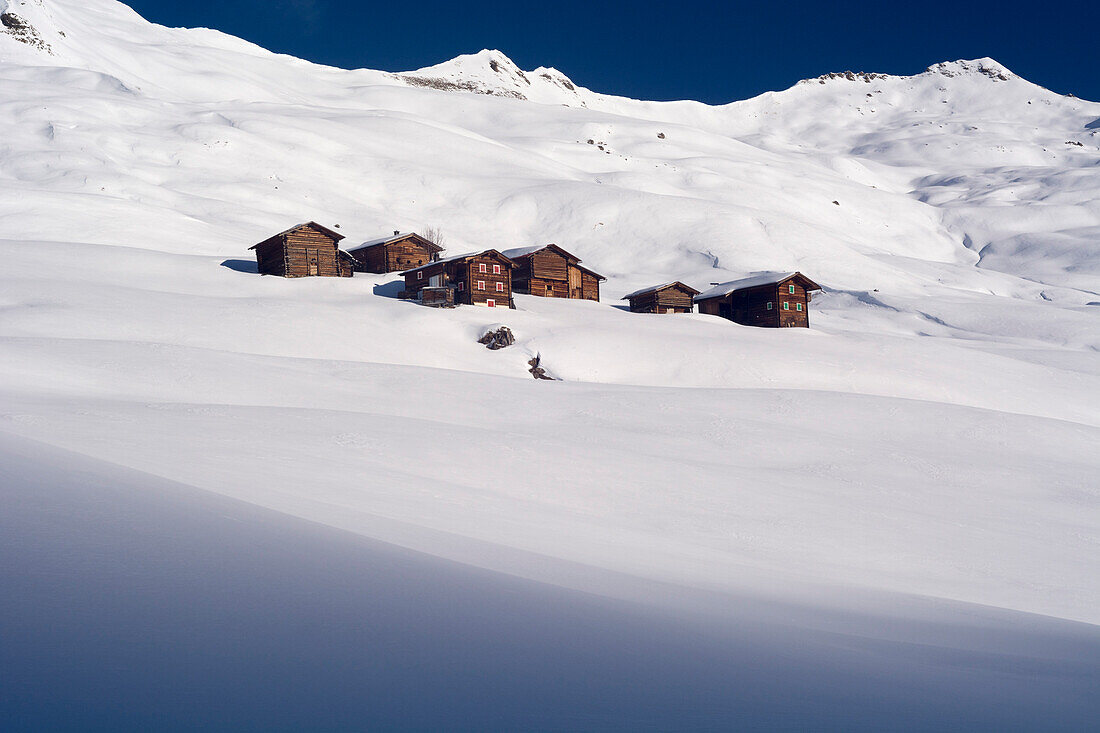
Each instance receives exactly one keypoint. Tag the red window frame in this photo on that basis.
(482, 267)
(500, 287)
(420, 275)
(491, 303)
(480, 284)
(496, 269)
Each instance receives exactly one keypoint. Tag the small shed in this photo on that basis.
(304, 250)
(478, 278)
(673, 297)
(395, 253)
(551, 272)
(767, 299)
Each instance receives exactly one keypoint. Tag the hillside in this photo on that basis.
(929, 440)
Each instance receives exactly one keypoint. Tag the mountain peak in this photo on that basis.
(983, 66)
(490, 71)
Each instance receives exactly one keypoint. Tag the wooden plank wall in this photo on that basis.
(750, 307)
(310, 252)
(405, 254)
(474, 275)
(675, 299)
(269, 257)
(590, 286)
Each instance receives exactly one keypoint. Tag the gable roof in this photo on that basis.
(527, 251)
(657, 288)
(520, 252)
(466, 256)
(754, 281)
(396, 238)
(335, 235)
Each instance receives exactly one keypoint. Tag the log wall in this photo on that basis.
(669, 300)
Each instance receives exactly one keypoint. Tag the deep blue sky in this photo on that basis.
(710, 51)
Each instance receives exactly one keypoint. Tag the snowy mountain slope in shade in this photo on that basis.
(184, 595)
(931, 434)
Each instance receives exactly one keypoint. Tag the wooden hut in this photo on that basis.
(768, 300)
(674, 297)
(302, 251)
(551, 272)
(479, 278)
(397, 253)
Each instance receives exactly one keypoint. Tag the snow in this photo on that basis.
(628, 296)
(763, 278)
(924, 454)
(382, 240)
(522, 251)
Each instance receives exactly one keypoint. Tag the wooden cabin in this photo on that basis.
(480, 278)
(397, 253)
(551, 272)
(768, 300)
(306, 250)
(674, 297)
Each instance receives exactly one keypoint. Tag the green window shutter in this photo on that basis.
(786, 306)
(790, 289)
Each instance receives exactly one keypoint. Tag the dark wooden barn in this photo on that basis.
(480, 278)
(768, 300)
(394, 254)
(551, 272)
(674, 297)
(303, 251)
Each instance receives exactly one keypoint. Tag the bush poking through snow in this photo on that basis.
(498, 339)
(537, 371)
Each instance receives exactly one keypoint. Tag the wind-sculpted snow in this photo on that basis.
(931, 434)
(135, 603)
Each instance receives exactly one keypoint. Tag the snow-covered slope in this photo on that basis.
(933, 433)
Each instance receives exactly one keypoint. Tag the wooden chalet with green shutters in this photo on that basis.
(394, 254)
(767, 300)
(550, 272)
(673, 297)
(479, 278)
(306, 250)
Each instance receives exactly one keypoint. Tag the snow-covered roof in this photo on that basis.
(523, 251)
(382, 240)
(335, 235)
(390, 238)
(456, 258)
(654, 288)
(753, 281)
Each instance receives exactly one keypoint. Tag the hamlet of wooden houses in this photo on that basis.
(490, 277)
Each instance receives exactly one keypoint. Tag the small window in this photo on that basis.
(550, 287)
(500, 287)
(790, 289)
(496, 269)
(770, 304)
(798, 306)
(481, 284)
(461, 285)
(481, 268)
(786, 306)
(420, 275)
(491, 303)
